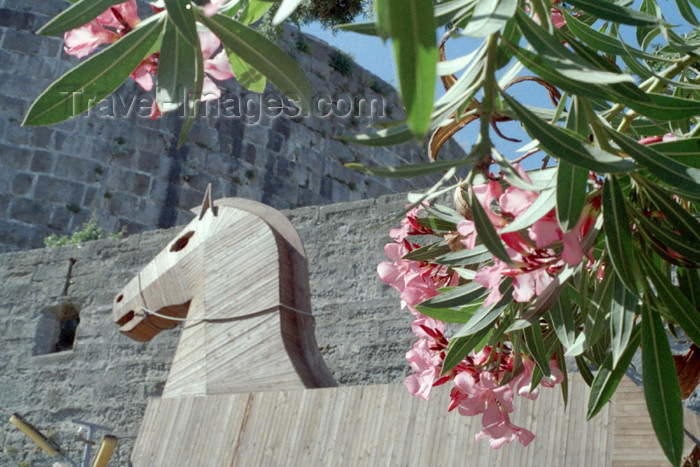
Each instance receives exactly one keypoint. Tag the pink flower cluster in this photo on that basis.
(537, 255)
(118, 20)
(476, 379)
(477, 389)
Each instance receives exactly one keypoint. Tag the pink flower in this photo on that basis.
(503, 431)
(467, 229)
(212, 8)
(425, 363)
(216, 65)
(82, 41)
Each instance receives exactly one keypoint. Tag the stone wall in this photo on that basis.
(127, 169)
(106, 377)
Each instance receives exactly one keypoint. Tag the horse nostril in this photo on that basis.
(126, 318)
(120, 298)
(181, 242)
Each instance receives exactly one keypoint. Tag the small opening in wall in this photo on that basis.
(56, 329)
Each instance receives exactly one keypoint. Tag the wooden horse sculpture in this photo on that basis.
(237, 277)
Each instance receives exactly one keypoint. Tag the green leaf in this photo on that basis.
(584, 370)
(561, 317)
(571, 194)
(685, 246)
(661, 388)
(542, 68)
(285, 9)
(450, 315)
(601, 41)
(459, 348)
(177, 74)
(562, 144)
(465, 257)
(193, 101)
(562, 59)
(689, 280)
(618, 238)
(680, 219)
(246, 75)
(597, 321)
(663, 107)
(413, 35)
(686, 151)
(262, 54)
(76, 15)
(544, 203)
(253, 11)
(427, 252)
(486, 315)
(489, 16)
(486, 232)
(535, 344)
(676, 304)
(384, 137)
(368, 29)
(459, 296)
(676, 174)
(94, 79)
(182, 16)
(621, 319)
(436, 224)
(609, 375)
(602, 9)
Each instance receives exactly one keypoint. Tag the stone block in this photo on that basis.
(14, 157)
(30, 211)
(42, 161)
(78, 169)
(22, 183)
(16, 19)
(55, 189)
(22, 42)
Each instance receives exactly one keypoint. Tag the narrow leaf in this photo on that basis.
(560, 316)
(678, 306)
(413, 35)
(621, 319)
(535, 344)
(285, 10)
(674, 173)
(246, 75)
(486, 232)
(610, 11)
(561, 144)
(76, 15)
(486, 315)
(661, 388)
(618, 238)
(489, 16)
(460, 347)
(609, 375)
(182, 16)
(571, 194)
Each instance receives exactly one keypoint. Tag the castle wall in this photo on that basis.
(124, 167)
(107, 378)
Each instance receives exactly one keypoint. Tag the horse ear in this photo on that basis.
(207, 203)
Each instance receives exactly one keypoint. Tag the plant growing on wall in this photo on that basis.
(592, 256)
